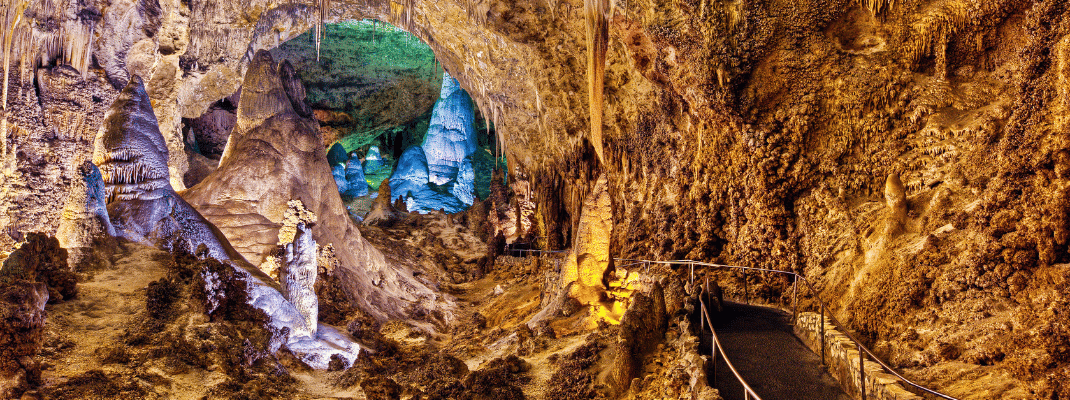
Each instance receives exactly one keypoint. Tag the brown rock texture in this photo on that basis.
(275, 155)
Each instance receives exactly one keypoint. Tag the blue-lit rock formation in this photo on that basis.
(464, 185)
(439, 175)
(451, 136)
(132, 158)
(339, 173)
(410, 178)
(355, 183)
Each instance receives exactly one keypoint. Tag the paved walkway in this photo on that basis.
(769, 356)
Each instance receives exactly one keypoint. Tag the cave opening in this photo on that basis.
(387, 110)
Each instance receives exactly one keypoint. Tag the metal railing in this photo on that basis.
(715, 343)
(862, 350)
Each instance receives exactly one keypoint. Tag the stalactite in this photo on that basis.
(12, 20)
(538, 108)
(597, 14)
(319, 26)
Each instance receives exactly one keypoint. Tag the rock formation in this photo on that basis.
(375, 168)
(356, 185)
(132, 157)
(85, 217)
(298, 277)
(583, 276)
(451, 138)
(275, 156)
(444, 160)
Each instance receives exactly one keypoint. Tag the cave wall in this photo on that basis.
(751, 132)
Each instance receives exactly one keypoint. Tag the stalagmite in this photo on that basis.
(298, 277)
(895, 199)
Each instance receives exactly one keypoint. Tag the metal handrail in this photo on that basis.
(718, 348)
(824, 314)
(521, 251)
(835, 322)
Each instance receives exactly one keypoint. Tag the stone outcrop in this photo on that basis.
(451, 137)
(356, 185)
(274, 156)
(438, 175)
(589, 258)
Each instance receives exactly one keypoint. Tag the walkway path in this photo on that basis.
(769, 356)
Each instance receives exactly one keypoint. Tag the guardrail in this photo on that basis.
(862, 350)
(748, 392)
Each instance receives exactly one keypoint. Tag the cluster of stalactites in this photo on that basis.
(71, 43)
(401, 13)
(877, 7)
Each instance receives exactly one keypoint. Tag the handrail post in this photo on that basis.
(746, 289)
(702, 313)
(822, 323)
(861, 371)
(713, 352)
(795, 300)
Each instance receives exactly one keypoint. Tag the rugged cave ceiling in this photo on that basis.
(910, 157)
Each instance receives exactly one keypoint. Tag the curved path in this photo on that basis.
(769, 356)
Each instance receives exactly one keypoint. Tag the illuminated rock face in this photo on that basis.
(410, 177)
(451, 136)
(356, 185)
(589, 259)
